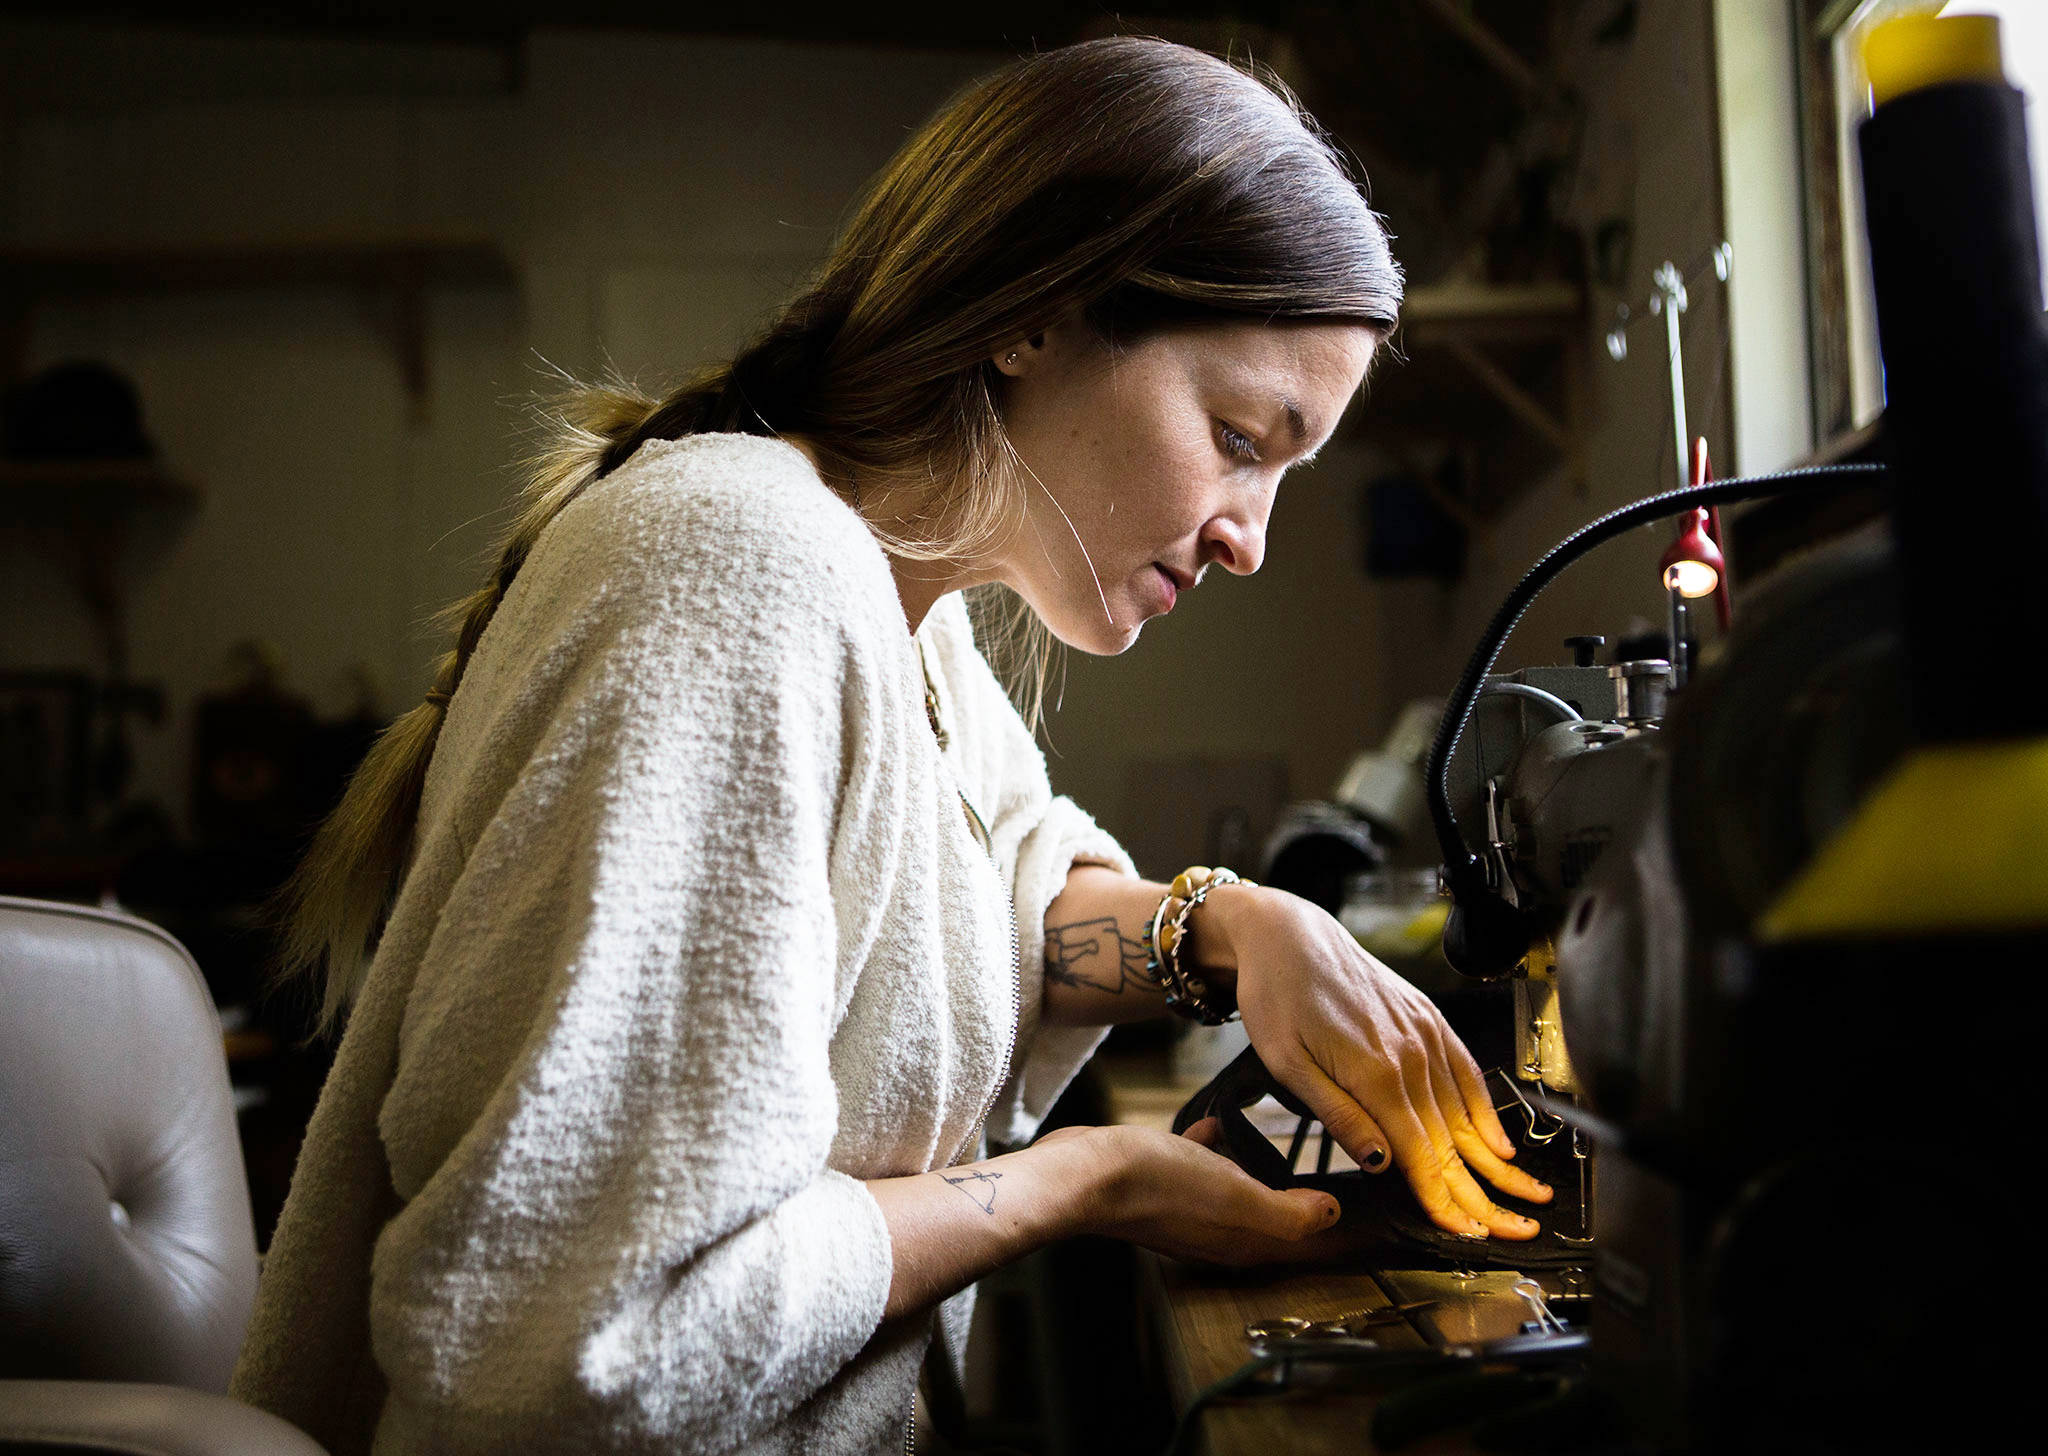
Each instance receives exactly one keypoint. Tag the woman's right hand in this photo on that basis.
(1176, 1196)
(1171, 1194)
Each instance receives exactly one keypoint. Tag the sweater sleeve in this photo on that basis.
(613, 1104)
(1039, 836)
(1056, 834)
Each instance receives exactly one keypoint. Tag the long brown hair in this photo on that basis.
(1137, 183)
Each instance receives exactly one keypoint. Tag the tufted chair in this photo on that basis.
(127, 1254)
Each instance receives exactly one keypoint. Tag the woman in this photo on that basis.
(729, 909)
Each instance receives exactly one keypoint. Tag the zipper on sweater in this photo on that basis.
(982, 836)
(1016, 1004)
(1016, 978)
(1002, 1076)
(1016, 975)
(1016, 1016)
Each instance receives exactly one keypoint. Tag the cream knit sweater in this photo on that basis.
(696, 936)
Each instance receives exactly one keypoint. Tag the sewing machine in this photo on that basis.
(1774, 923)
(1786, 1135)
(1638, 833)
(1556, 765)
(1777, 931)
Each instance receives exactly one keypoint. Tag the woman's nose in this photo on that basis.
(1236, 542)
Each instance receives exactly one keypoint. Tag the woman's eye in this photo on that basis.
(1237, 445)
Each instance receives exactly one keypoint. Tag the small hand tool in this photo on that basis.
(1276, 1332)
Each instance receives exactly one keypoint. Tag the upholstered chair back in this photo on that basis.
(127, 1250)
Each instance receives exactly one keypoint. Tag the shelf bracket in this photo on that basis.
(1519, 402)
(1496, 52)
(396, 305)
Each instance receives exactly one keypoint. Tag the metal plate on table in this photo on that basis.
(1469, 1309)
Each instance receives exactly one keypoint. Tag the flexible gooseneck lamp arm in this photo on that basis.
(1486, 935)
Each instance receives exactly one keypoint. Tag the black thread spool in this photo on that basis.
(1956, 265)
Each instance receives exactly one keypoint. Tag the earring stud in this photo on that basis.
(1013, 357)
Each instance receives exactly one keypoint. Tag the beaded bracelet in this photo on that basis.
(1187, 995)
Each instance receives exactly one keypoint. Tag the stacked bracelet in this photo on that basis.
(1187, 994)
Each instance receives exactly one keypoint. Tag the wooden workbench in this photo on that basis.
(1198, 1316)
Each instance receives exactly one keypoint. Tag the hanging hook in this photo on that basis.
(1617, 337)
(1669, 284)
(1528, 1109)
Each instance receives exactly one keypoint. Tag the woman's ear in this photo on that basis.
(1020, 356)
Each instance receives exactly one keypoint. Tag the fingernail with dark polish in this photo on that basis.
(1375, 1159)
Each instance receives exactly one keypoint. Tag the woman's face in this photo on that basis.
(1155, 462)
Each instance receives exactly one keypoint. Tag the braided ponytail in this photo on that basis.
(335, 903)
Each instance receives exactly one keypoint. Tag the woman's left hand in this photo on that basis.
(1371, 1057)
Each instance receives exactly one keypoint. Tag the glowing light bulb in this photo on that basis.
(1691, 578)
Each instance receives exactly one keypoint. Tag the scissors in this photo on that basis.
(1266, 1334)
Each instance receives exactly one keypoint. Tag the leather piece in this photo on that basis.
(139, 1420)
(127, 1249)
(1381, 1204)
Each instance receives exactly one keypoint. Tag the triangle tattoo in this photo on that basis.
(977, 1185)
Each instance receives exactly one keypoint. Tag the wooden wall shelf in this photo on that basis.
(1463, 321)
(1519, 309)
(93, 501)
(41, 485)
(391, 273)
(363, 262)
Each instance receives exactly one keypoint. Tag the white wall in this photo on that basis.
(656, 195)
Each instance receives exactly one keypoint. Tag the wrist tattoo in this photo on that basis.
(1096, 954)
(977, 1185)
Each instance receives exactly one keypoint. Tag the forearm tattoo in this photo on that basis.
(1096, 954)
(977, 1185)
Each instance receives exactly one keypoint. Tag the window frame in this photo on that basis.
(1848, 381)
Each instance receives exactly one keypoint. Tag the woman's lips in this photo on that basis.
(1167, 586)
